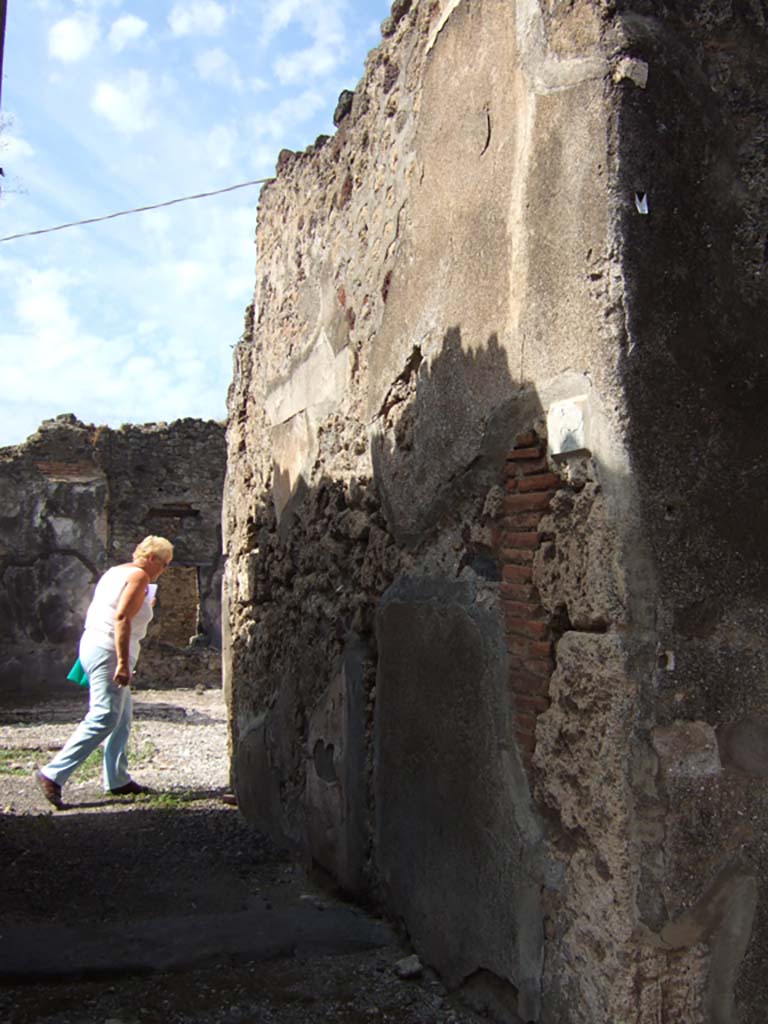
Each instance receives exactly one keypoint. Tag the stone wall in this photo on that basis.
(492, 622)
(76, 499)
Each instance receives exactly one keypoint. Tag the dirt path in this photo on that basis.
(170, 908)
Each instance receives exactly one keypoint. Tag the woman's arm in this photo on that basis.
(131, 600)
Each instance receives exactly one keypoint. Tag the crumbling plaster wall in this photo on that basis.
(455, 673)
(76, 499)
(695, 376)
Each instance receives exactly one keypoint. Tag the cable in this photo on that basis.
(137, 209)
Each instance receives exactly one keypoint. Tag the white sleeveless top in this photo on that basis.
(100, 619)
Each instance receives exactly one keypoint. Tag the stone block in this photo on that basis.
(335, 779)
(687, 750)
(294, 446)
(319, 378)
(568, 426)
(744, 745)
(453, 822)
(257, 783)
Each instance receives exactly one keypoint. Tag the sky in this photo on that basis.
(114, 104)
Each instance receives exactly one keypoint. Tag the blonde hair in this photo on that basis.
(158, 546)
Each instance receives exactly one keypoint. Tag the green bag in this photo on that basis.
(78, 674)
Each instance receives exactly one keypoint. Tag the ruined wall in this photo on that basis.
(53, 536)
(695, 376)
(169, 482)
(76, 499)
(477, 643)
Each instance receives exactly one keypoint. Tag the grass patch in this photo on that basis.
(91, 766)
(22, 760)
(141, 751)
(176, 798)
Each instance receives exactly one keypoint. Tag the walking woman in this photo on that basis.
(115, 625)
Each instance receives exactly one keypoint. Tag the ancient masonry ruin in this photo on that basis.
(75, 499)
(496, 604)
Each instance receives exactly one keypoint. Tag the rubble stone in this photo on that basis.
(77, 499)
(530, 207)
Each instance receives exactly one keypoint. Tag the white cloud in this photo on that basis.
(322, 21)
(184, 303)
(168, 286)
(219, 146)
(42, 309)
(139, 367)
(313, 62)
(262, 158)
(286, 115)
(126, 30)
(218, 67)
(71, 39)
(42, 360)
(157, 224)
(42, 367)
(197, 17)
(125, 104)
(13, 147)
(183, 276)
(279, 16)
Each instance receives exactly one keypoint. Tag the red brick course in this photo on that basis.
(540, 482)
(541, 650)
(523, 683)
(518, 454)
(520, 647)
(538, 500)
(527, 744)
(518, 556)
(515, 576)
(525, 467)
(514, 541)
(539, 666)
(529, 486)
(525, 521)
(528, 440)
(526, 627)
(532, 704)
(523, 592)
(527, 610)
(526, 722)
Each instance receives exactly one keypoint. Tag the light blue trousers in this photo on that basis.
(108, 721)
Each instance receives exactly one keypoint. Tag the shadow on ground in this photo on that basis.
(169, 907)
(185, 914)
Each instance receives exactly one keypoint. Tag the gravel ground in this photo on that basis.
(181, 850)
(178, 743)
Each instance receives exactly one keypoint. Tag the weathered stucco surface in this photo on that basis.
(75, 499)
(516, 691)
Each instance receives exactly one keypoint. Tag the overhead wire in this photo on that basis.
(135, 209)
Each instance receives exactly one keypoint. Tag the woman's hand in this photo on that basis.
(131, 600)
(122, 674)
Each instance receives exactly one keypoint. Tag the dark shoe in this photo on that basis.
(51, 790)
(129, 789)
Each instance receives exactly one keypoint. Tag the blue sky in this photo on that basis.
(112, 104)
